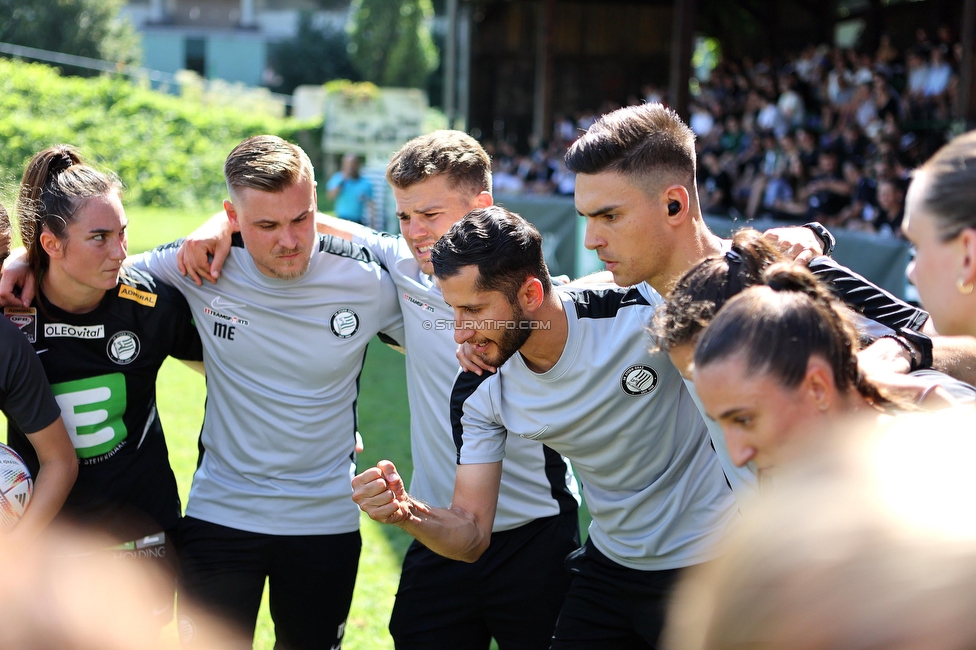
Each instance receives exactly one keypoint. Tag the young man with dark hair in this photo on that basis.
(584, 383)
(635, 187)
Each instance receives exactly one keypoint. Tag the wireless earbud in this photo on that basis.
(673, 208)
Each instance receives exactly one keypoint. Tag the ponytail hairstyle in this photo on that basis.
(779, 326)
(706, 287)
(56, 184)
(5, 232)
(4, 221)
(5, 228)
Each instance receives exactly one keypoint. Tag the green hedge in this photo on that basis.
(168, 151)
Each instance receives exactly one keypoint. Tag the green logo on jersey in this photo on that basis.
(92, 410)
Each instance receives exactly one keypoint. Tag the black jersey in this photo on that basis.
(102, 367)
(25, 397)
(866, 298)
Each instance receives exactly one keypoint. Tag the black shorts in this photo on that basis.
(512, 593)
(310, 578)
(612, 606)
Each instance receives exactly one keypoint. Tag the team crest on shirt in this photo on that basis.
(638, 380)
(24, 319)
(345, 323)
(123, 347)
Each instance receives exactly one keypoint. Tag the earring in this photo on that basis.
(964, 289)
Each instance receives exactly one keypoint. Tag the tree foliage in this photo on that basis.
(169, 151)
(91, 28)
(390, 41)
(314, 56)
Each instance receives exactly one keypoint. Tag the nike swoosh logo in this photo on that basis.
(41, 351)
(217, 303)
(160, 610)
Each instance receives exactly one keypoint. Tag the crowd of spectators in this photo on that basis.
(827, 134)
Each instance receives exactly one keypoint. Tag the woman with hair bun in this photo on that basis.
(102, 331)
(699, 295)
(779, 361)
(706, 287)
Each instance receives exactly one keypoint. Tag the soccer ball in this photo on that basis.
(15, 488)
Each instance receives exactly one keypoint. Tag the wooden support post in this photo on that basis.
(967, 72)
(450, 64)
(682, 42)
(542, 98)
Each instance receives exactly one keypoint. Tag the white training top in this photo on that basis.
(283, 359)
(622, 414)
(536, 481)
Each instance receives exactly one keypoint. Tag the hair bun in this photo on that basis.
(62, 157)
(790, 276)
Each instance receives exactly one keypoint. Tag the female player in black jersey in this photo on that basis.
(102, 332)
(26, 399)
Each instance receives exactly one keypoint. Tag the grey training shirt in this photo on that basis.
(536, 481)
(283, 359)
(622, 414)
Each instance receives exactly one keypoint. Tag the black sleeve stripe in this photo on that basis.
(711, 443)
(327, 244)
(133, 277)
(201, 450)
(345, 248)
(176, 243)
(866, 297)
(389, 340)
(556, 470)
(465, 384)
(605, 303)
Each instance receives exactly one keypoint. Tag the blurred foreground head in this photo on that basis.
(870, 542)
(69, 591)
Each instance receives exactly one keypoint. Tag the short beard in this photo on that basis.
(294, 275)
(512, 339)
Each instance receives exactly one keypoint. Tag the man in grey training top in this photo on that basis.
(574, 373)
(284, 334)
